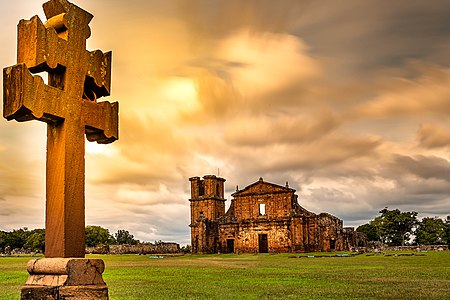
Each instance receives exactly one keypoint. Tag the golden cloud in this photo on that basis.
(433, 136)
(428, 93)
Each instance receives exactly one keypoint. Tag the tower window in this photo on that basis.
(201, 189)
(262, 209)
(217, 190)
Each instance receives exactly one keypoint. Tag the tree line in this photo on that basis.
(34, 240)
(391, 227)
(397, 228)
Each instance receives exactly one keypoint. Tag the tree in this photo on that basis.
(17, 238)
(370, 231)
(394, 227)
(186, 249)
(124, 237)
(2, 240)
(97, 235)
(430, 231)
(397, 226)
(378, 224)
(447, 230)
(36, 240)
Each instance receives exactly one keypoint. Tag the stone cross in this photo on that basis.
(77, 78)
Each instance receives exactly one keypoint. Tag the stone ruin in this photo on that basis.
(262, 218)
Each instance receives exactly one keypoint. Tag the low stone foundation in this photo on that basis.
(65, 278)
(147, 248)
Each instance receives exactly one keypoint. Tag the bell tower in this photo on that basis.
(207, 206)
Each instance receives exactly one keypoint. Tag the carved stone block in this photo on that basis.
(65, 278)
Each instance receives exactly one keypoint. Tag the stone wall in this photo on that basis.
(204, 236)
(160, 248)
(414, 248)
(246, 236)
(331, 237)
(210, 209)
(277, 201)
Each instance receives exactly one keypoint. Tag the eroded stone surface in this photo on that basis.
(67, 278)
(65, 271)
(46, 279)
(83, 292)
(64, 293)
(39, 293)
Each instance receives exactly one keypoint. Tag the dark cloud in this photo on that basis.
(426, 167)
(312, 156)
(208, 20)
(371, 34)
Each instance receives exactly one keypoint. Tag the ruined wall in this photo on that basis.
(277, 202)
(278, 237)
(228, 231)
(354, 239)
(331, 235)
(275, 206)
(204, 236)
(246, 236)
(322, 232)
(310, 235)
(299, 236)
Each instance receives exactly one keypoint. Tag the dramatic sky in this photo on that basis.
(348, 101)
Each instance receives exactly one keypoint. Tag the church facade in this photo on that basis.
(262, 218)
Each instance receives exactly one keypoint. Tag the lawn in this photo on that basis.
(261, 277)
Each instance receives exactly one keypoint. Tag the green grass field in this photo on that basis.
(261, 277)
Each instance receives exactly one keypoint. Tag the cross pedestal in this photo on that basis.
(65, 278)
(68, 104)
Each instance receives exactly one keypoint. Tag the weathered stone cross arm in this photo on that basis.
(45, 48)
(26, 98)
(102, 126)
